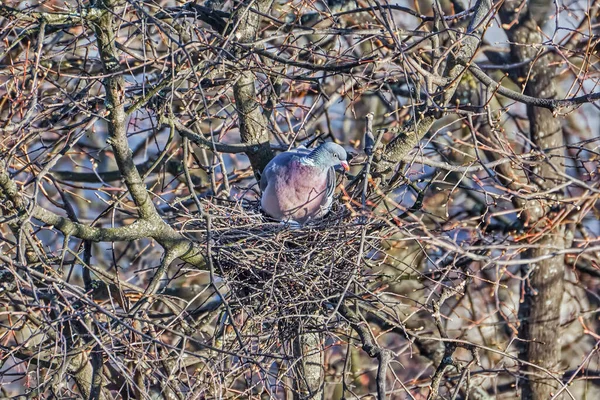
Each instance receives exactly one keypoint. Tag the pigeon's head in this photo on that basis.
(330, 155)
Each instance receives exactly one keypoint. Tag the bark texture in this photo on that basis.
(253, 124)
(543, 286)
(309, 368)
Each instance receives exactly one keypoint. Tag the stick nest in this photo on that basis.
(278, 273)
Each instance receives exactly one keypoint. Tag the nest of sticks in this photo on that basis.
(278, 273)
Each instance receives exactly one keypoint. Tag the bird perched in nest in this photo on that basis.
(297, 185)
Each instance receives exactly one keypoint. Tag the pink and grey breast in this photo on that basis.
(297, 185)
(294, 190)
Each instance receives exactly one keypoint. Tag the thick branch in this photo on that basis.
(137, 230)
(156, 229)
(415, 129)
(554, 105)
(48, 18)
(253, 125)
(370, 347)
(114, 86)
(543, 286)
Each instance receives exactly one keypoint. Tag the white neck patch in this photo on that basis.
(307, 161)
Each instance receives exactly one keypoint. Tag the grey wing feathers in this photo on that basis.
(278, 161)
(300, 150)
(264, 178)
(331, 181)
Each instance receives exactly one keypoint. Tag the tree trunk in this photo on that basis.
(543, 284)
(253, 124)
(309, 371)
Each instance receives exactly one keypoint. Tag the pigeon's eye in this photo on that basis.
(335, 155)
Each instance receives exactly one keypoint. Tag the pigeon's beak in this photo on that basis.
(345, 165)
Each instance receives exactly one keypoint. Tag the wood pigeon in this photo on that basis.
(297, 185)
